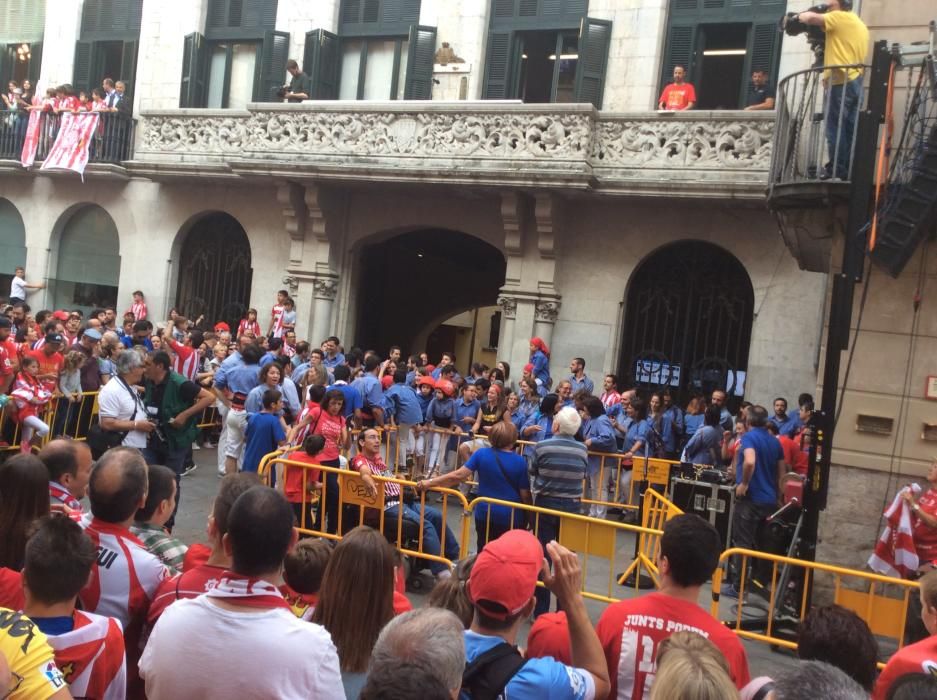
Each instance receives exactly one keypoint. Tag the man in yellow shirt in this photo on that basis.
(847, 43)
(30, 672)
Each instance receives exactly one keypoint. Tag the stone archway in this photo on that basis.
(12, 244)
(214, 271)
(688, 321)
(87, 261)
(411, 279)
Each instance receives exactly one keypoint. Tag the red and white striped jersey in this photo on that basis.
(186, 360)
(277, 315)
(188, 584)
(91, 657)
(249, 326)
(138, 310)
(123, 579)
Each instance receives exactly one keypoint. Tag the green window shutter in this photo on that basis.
(22, 21)
(497, 65)
(422, 50)
(128, 65)
(502, 8)
(713, 6)
(685, 6)
(320, 62)
(6, 64)
(35, 61)
(217, 14)
(84, 54)
(194, 66)
(351, 11)
(681, 41)
(527, 8)
(766, 42)
(594, 38)
(273, 58)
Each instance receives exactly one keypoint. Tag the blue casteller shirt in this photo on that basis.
(789, 426)
(441, 413)
(538, 679)
(352, 397)
(541, 365)
(637, 432)
(333, 362)
(763, 488)
(692, 423)
(466, 410)
(586, 383)
(238, 378)
(665, 428)
(602, 434)
(424, 402)
(503, 483)
(372, 394)
(403, 404)
(704, 447)
(545, 433)
(264, 434)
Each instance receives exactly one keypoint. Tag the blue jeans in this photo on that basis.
(432, 527)
(842, 109)
(175, 459)
(548, 528)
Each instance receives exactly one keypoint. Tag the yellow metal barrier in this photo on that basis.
(356, 503)
(657, 511)
(785, 595)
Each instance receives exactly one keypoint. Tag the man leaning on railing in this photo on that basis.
(847, 41)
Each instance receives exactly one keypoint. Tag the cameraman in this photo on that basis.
(173, 406)
(847, 42)
(299, 88)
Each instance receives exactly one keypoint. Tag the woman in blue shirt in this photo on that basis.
(663, 431)
(693, 418)
(527, 406)
(501, 474)
(540, 359)
(539, 426)
(598, 436)
(635, 446)
(705, 447)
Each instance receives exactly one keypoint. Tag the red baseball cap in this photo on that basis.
(222, 327)
(506, 573)
(60, 315)
(549, 636)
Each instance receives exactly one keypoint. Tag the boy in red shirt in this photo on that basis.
(679, 95)
(631, 630)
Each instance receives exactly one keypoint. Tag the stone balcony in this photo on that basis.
(723, 154)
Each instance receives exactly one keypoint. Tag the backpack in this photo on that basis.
(486, 677)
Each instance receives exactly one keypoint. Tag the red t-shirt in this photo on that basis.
(920, 657)
(632, 630)
(196, 555)
(49, 364)
(9, 358)
(293, 483)
(11, 589)
(677, 97)
(793, 455)
(925, 537)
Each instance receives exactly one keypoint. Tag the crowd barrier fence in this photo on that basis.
(655, 514)
(781, 601)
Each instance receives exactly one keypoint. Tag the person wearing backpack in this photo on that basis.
(501, 588)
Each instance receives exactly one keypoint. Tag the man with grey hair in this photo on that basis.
(558, 468)
(429, 637)
(120, 406)
(815, 679)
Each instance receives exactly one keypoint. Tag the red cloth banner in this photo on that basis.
(31, 144)
(70, 150)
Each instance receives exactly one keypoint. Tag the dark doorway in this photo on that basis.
(215, 271)
(688, 322)
(547, 69)
(722, 66)
(414, 279)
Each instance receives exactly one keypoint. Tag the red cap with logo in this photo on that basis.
(549, 636)
(505, 573)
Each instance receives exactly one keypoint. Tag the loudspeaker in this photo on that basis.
(904, 224)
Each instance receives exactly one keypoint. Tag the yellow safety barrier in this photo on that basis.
(657, 511)
(356, 505)
(785, 602)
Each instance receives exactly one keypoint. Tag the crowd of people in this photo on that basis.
(103, 601)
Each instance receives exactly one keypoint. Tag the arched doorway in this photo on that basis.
(688, 322)
(12, 244)
(215, 271)
(87, 261)
(412, 283)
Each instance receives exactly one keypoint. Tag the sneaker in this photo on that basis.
(195, 446)
(729, 591)
(189, 469)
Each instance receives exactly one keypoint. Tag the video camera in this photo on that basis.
(816, 38)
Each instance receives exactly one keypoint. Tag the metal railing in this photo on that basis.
(112, 142)
(817, 112)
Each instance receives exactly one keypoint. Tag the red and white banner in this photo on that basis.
(70, 150)
(31, 144)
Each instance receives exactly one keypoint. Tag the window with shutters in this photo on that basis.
(240, 19)
(108, 43)
(720, 43)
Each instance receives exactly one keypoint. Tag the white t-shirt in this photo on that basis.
(115, 401)
(199, 650)
(18, 288)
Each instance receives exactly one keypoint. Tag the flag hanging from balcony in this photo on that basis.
(31, 143)
(70, 150)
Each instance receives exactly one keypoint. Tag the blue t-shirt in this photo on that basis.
(537, 679)
(352, 397)
(492, 483)
(404, 405)
(763, 488)
(705, 447)
(264, 434)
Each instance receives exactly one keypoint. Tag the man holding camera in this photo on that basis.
(173, 405)
(299, 88)
(847, 42)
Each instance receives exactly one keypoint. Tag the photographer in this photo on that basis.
(847, 42)
(299, 88)
(173, 405)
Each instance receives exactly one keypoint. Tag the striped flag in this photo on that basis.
(31, 143)
(70, 150)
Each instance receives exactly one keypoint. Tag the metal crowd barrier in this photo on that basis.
(657, 511)
(773, 606)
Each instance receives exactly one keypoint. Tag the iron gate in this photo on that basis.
(688, 322)
(215, 271)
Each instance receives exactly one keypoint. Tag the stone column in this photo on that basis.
(324, 290)
(506, 334)
(546, 311)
